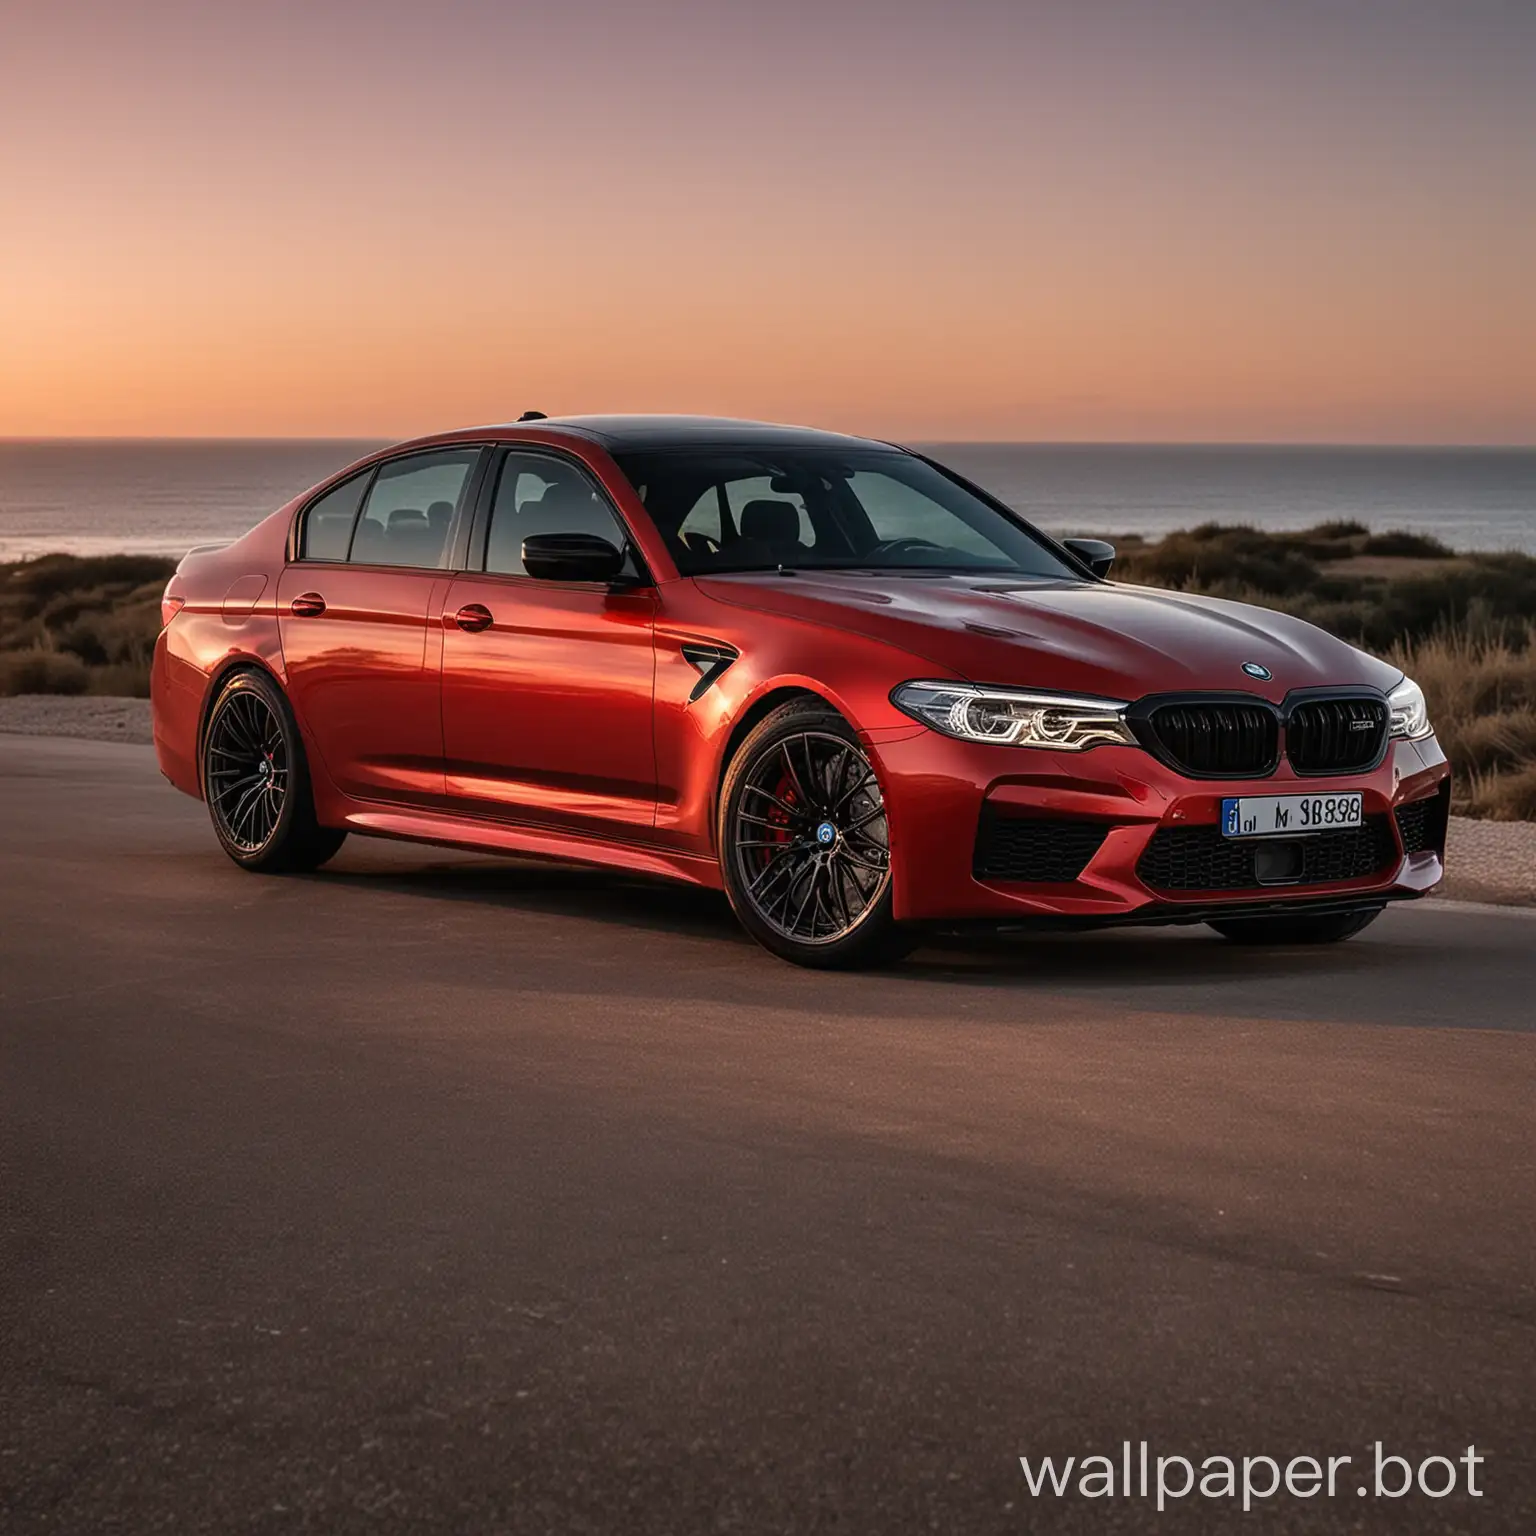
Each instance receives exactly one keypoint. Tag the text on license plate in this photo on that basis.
(1267, 815)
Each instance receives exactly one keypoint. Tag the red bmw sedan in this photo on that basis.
(827, 675)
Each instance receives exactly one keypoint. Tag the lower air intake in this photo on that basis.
(1201, 859)
(1421, 823)
(1040, 850)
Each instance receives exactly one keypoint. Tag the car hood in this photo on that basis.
(1099, 638)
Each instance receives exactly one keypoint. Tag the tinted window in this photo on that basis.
(899, 510)
(538, 494)
(327, 531)
(772, 503)
(409, 512)
(807, 508)
(703, 524)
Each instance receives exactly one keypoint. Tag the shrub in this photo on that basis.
(120, 680)
(51, 575)
(1225, 561)
(42, 672)
(125, 634)
(1482, 702)
(1466, 675)
(1505, 797)
(1487, 743)
(1416, 545)
(100, 613)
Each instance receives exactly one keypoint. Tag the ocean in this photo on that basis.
(92, 497)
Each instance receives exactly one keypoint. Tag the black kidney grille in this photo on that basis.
(1421, 823)
(1335, 735)
(1039, 849)
(1201, 859)
(1217, 740)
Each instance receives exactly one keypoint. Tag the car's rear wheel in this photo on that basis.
(256, 781)
(1322, 928)
(805, 843)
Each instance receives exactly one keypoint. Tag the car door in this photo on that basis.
(547, 685)
(357, 612)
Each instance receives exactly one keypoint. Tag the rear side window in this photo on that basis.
(536, 494)
(410, 508)
(327, 531)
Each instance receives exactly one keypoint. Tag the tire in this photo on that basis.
(805, 845)
(1325, 928)
(256, 781)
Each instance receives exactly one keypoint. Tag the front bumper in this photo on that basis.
(940, 792)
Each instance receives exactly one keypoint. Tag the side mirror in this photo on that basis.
(1094, 553)
(571, 557)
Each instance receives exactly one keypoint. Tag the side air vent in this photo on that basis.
(711, 662)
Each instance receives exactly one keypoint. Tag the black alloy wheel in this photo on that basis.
(256, 781)
(805, 842)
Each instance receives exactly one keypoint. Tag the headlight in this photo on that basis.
(1014, 716)
(1409, 713)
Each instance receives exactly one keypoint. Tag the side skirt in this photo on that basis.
(531, 842)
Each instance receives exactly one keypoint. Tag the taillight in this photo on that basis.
(171, 603)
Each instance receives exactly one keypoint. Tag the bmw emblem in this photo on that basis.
(1254, 669)
(826, 834)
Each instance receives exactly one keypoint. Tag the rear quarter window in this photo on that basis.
(326, 532)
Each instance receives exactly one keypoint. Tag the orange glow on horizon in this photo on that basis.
(966, 229)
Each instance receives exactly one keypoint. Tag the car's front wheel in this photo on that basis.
(1321, 928)
(256, 781)
(805, 843)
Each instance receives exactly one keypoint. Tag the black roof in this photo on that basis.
(624, 433)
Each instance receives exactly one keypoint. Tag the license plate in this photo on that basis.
(1277, 815)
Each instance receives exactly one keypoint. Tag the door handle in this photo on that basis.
(473, 617)
(307, 605)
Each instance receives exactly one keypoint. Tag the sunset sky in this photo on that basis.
(974, 219)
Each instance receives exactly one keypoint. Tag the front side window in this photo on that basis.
(818, 508)
(327, 528)
(409, 512)
(539, 494)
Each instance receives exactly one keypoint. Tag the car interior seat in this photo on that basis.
(769, 533)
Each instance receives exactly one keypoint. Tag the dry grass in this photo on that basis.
(71, 624)
(1482, 699)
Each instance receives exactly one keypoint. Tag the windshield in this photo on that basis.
(804, 509)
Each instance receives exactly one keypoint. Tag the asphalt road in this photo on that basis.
(443, 1194)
